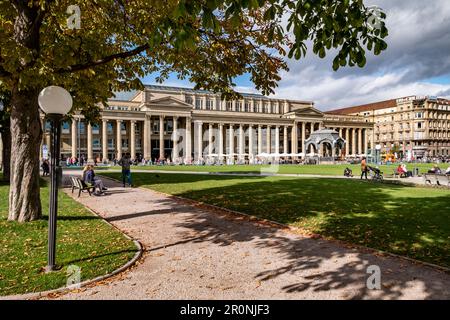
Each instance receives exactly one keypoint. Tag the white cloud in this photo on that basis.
(419, 46)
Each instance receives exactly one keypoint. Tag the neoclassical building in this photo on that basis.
(419, 126)
(188, 125)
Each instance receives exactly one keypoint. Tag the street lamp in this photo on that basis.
(55, 102)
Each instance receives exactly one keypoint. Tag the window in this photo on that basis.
(209, 105)
(168, 125)
(198, 103)
(229, 105)
(189, 100)
(155, 126)
(96, 143)
(95, 129)
(110, 128)
(256, 107)
(82, 127)
(124, 143)
(238, 106)
(65, 127)
(111, 143)
(123, 128)
(247, 107)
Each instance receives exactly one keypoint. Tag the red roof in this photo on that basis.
(365, 107)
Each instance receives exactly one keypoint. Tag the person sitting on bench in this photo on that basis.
(435, 170)
(406, 172)
(90, 179)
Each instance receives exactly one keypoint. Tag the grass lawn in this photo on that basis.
(83, 240)
(331, 170)
(409, 221)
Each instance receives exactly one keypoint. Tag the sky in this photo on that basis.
(417, 62)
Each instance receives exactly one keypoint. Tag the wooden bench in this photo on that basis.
(79, 184)
(437, 179)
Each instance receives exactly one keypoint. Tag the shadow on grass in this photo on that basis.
(406, 221)
(109, 254)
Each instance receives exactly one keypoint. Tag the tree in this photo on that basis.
(5, 132)
(208, 41)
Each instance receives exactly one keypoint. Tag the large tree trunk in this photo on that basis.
(6, 154)
(26, 132)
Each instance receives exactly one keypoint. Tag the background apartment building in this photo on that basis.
(418, 126)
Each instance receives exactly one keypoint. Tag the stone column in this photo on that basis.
(74, 138)
(360, 144)
(231, 138)
(347, 142)
(241, 142)
(250, 141)
(175, 139)
(294, 139)
(285, 139)
(119, 139)
(210, 139)
(198, 142)
(146, 138)
(104, 140)
(268, 139)
(221, 142)
(277, 139)
(303, 137)
(90, 153)
(205, 99)
(259, 139)
(234, 105)
(366, 140)
(161, 138)
(353, 141)
(188, 142)
(133, 139)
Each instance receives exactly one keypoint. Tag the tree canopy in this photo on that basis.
(208, 41)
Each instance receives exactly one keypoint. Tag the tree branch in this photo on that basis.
(104, 60)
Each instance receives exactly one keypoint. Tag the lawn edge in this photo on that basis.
(64, 290)
(298, 231)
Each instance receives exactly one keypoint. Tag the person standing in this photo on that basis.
(126, 163)
(363, 168)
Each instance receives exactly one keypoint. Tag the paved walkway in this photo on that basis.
(193, 253)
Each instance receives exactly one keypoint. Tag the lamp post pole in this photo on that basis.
(54, 185)
(55, 102)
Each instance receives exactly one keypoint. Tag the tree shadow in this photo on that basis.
(357, 212)
(115, 253)
(308, 256)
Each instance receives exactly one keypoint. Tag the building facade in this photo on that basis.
(186, 126)
(418, 126)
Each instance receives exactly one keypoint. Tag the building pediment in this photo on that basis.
(308, 112)
(166, 103)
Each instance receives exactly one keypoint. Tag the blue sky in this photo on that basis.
(417, 62)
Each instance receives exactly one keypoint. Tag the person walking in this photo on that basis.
(126, 163)
(363, 168)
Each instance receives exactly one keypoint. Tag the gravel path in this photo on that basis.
(194, 253)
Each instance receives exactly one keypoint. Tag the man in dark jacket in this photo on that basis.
(126, 163)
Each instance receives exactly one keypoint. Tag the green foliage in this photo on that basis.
(208, 41)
